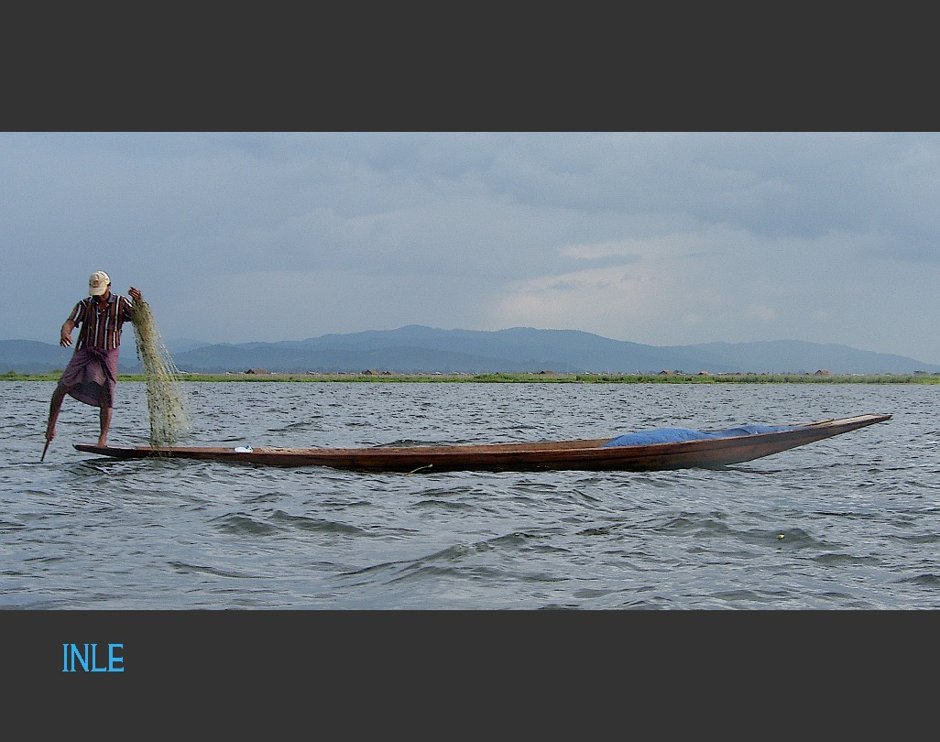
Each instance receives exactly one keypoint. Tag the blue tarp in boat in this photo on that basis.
(675, 435)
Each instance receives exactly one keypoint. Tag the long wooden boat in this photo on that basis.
(713, 450)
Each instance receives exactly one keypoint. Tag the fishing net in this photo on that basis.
(168, 419)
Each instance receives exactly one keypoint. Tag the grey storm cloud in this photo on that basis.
(661, 237)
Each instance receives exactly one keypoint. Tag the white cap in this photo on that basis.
(98, 283)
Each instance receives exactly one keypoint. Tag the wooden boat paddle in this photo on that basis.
(44, 449)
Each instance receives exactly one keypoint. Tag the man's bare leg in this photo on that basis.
(105, 417)
(54, 407)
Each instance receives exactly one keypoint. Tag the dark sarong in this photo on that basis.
(91, 371)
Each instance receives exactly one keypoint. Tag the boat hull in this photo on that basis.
(589, 455)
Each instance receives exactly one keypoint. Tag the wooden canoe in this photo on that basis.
(588, 454)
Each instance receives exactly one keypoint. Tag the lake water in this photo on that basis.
(851, 522)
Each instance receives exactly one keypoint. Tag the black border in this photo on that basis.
(551, 670)
(487, 67)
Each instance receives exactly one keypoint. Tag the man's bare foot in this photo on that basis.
(102, 441)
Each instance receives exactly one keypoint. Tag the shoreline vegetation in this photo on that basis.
(667, 377)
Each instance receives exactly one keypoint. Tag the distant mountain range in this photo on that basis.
(417, 349)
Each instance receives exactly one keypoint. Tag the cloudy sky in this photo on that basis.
(658, 238)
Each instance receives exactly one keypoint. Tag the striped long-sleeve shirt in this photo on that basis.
(101, 328)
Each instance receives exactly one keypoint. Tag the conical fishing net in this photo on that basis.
(168, 419)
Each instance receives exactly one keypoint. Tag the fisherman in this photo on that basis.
(91, 374)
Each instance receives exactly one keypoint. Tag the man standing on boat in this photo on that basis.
(91, 375)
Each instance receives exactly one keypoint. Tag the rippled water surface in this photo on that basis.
(852, 522)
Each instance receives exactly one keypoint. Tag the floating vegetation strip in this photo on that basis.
(536, 378)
